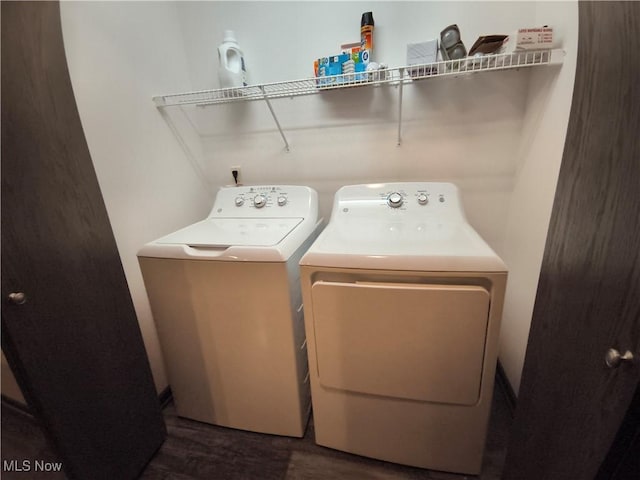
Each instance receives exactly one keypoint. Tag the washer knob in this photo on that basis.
(259, 201)
(239, 201)
(394, 200)
(282, 201)
(423, 199)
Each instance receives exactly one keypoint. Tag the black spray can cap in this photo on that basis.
(367, 19)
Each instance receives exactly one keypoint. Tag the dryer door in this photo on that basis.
(414, 341)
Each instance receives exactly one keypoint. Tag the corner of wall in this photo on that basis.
(541, 150)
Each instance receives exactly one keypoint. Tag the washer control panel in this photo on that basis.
(264, 200)
(405, 199)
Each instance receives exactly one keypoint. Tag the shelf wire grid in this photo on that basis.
(394, 76)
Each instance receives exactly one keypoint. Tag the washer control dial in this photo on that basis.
(282, 200)
(239, 201)
(395, 200)
(423, 199)
(259, 201)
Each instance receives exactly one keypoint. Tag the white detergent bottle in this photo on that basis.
(232, 72)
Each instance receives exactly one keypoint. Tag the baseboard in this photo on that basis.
(507, 389)
(165, 397)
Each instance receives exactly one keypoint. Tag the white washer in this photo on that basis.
(403, 301)
(225, 296)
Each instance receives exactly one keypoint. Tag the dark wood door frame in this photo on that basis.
(75, 346)
(570, 404)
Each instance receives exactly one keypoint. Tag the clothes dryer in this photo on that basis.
(403, 301)
(226, 300)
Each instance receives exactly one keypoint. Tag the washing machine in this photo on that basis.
(226, 300)
(402, 302)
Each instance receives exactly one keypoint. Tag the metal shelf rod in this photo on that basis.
(275, 118)
(400, 110)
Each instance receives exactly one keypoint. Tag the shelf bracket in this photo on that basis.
(273, 114)
(400, 106)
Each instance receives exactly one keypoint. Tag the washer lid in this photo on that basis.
(227, 232)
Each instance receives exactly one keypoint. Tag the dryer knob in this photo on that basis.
(239, 201)
(395, 200)
(423, 199)
(282, 201)
(259, 201)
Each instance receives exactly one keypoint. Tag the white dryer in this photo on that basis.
(403, 301)
(226, 301)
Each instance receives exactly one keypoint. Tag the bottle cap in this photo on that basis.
(367, 19)
(229, 36)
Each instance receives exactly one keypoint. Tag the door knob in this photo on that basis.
(613, 358)
(17, 298)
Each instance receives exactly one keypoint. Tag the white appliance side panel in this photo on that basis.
(227, 335)
(167, 284)
(411, 341)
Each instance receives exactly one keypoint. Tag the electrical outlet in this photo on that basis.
(235, 175)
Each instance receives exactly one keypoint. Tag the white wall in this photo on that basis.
(474, 131)
(120, 54)
(540, 155)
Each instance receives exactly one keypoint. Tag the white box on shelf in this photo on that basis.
(537, 38)
(421, 53)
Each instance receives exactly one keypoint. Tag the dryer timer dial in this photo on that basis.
(395, 200)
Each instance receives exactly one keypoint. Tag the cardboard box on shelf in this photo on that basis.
(331, 71)
(420, 54)
(424, 52)
(487, 44)
(538, 38)
(351, 49)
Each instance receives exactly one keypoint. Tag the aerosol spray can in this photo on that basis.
(366, 31)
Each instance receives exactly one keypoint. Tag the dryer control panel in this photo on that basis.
(407, 199)
(265, 201)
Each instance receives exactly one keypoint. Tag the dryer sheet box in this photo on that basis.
(537, 38)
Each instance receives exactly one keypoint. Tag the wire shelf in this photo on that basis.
(394, 76)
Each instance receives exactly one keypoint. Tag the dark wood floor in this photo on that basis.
(195, 451)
